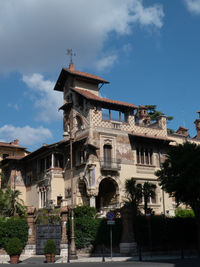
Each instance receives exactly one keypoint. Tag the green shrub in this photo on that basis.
(86, 226)
(50, 247)
(14, 246)
(13, 227)
(184, 212)
(53, 217)
(90, 230)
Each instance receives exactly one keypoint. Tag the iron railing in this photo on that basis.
(110, 164)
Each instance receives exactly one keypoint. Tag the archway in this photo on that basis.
(108, 194)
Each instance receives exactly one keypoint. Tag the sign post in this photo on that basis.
(111, 222)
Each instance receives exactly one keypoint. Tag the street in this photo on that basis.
(161, 263)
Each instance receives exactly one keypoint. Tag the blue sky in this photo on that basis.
(149, 51)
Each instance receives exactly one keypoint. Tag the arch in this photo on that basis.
(108, 193)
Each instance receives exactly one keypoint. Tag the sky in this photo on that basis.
(149, 51)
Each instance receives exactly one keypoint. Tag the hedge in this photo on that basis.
(13, 227)
(166, 233)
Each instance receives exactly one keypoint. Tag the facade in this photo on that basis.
(12, 151)
(112, 141)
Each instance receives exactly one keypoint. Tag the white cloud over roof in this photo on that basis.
(46, 100)
(34, 34)
(27, 135)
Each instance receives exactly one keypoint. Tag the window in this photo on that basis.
(43, 198)
(58, 160)
(80, 157)
(5, 155)
(144, 156)
(114, 115)
(59, 201)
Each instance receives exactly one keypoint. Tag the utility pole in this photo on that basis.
(73, 255)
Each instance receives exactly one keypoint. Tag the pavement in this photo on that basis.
(40, 259)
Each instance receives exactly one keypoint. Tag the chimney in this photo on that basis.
(182, 131)
(71, 66)
(142, 116)
(14, 142)
(197, 124)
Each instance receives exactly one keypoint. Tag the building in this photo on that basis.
(112, 141)
(11, 150)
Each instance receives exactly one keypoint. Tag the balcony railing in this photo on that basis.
(110, 164)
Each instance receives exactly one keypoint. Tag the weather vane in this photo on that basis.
(71, 53)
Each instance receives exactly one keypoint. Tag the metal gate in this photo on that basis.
(45, 232)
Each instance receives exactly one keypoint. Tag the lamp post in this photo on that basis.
(73, 255)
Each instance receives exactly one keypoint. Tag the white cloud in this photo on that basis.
(193, 6)
(26, 135)
(106, 62)
(15, 106)
(35, 34)
(44, 97)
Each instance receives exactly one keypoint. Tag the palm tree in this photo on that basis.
(13, 204)
(148, 190)
(133, 194)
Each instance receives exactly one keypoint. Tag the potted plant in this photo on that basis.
(14, 249)
(50, 250)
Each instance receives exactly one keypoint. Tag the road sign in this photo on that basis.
(110, 215)
(110, 222)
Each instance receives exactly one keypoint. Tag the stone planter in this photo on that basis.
(48, 258)
(53, 258)
(14, 259)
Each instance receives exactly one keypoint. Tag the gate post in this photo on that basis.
(128, 246)
(30, 248)
(64, 238)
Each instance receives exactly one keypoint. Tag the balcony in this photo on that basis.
(110, 164)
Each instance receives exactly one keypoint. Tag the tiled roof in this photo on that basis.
(92, 96)
(161, 138)
(85, 74)
(11, 145)
(182, 128)
(15, 157)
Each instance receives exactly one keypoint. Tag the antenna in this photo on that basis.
(183, 118)
(71, 54)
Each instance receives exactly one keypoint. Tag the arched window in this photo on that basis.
(79, 123)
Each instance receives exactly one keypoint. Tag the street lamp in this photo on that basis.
(73, 255)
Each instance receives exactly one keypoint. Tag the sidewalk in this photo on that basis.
(39, 259)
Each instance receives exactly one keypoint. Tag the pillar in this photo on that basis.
(92, 201)
(64, 239)
(30, 248)
(128, 246)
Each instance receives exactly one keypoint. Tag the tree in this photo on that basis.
(13, 204)
(154, 114)
(133, 195)
(148, 190)
(180, 177)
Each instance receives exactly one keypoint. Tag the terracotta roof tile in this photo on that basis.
(92, 96)
(85, 74)
(11, 145)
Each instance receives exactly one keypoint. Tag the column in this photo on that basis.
(30, 248)
(64, 238)
(93, 201)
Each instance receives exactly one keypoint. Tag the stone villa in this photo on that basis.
(112, 141)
